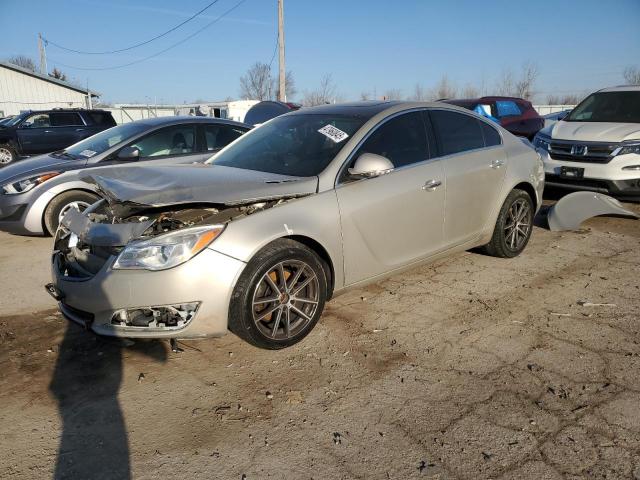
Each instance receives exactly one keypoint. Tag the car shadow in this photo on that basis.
(86, 381)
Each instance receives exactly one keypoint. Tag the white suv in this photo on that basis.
(597, 146)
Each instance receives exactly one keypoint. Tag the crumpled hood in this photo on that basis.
(160, 186)
(33, 166)
(595, 131)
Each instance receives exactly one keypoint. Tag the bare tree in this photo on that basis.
(470, 91)
(445, 89)
(364, 96)
(57, 73)
(524, 86)
(325, 93)
(257, 83)
(289, 86)
(23, 61)
(393, 94)
(632, 75)
(419, 93)
(553, 99)
(505, 83)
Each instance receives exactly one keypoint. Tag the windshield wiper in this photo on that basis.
(64, 154)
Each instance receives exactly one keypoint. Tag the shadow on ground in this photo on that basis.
(85, 383)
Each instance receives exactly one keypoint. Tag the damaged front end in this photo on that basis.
(86, 240)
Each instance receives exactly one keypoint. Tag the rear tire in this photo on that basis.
(7, 155)
(279, 296)
(513, 227)
(60, 204)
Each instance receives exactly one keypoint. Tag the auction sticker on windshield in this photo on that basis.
(333, 133)
(88, 153)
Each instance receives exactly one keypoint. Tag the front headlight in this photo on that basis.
(167, 251)
(26, 184)
(625, 149)
(541, 142)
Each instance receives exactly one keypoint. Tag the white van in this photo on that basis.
(597, 146)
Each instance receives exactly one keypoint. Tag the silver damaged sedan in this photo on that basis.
(258, 238)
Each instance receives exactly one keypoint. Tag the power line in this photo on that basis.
(113, 67)
(275, 49)
(49, 42)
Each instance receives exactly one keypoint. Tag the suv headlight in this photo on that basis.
(169, 250)
(26, 184)
(631, 148)
(541, 142)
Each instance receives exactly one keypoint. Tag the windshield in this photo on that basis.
(616, 107)
(104, 140)
(10, 122)
(296, 145)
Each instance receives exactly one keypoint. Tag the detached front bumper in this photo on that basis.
(208, 278)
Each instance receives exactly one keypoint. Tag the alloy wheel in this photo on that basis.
(5, 156)
(80, 205)
(518, 224)
(285, 299)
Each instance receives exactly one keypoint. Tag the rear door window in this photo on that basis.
(219, 136)
(65, 119)
(456, 132)
(490, 134)
(507, 108)
(176, 140)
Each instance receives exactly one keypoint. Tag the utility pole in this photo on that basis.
(282, 94)
(43, 55)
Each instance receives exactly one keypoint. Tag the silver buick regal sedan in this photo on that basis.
(258, 238)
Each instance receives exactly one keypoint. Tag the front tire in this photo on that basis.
(513, 227)
(7, 155)
(59, 206)
(280, 295)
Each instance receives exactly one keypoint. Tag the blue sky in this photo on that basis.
(366, 45)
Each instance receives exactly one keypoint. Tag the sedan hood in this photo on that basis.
(595, 131)
(35, 165)
(160, 186)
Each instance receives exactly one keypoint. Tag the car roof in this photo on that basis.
(153, 122)
(356, 109)
(622, 88)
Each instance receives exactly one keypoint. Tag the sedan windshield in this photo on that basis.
(297, 145)
(616, 107)
(104, 140)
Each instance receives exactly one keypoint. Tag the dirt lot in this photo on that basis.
(470, 368)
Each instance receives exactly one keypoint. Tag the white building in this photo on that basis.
(21, 89)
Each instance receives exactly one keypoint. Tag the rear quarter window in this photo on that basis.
(490, 134)
(101, 118)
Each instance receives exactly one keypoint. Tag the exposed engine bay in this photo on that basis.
(86, 240)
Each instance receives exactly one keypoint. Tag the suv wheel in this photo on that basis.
(280, 295)
(513, 227)
(61, 204)
(7, 155)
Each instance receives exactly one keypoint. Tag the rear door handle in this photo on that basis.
(431, 185)
(80, 129)
(497, 163)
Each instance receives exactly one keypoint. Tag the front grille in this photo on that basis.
(595, 152)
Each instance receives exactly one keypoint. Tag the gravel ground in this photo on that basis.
(469, 368)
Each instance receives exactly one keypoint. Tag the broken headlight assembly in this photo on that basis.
(542, 142)
(26, 184)
(168, 250)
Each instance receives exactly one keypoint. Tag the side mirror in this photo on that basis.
(129, 153)
(370, 165)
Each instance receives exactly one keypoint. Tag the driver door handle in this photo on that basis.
(431, 185)
(497, 163)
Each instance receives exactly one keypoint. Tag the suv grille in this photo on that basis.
(587, 152)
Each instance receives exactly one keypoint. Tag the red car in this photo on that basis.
(514, 114)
